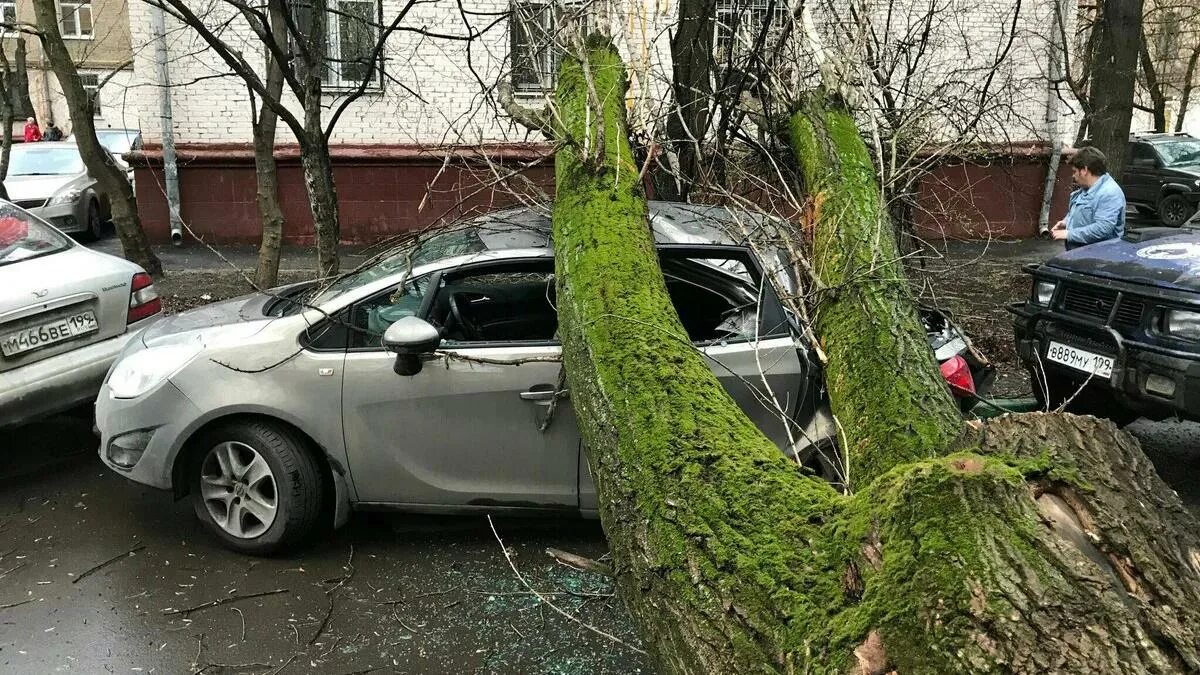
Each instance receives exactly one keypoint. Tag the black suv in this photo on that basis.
(1113, 328)
(1162, 176)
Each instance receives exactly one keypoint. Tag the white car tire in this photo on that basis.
(256, 486)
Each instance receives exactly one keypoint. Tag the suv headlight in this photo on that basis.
(1181, 323)
(1043, 291)
(65, 197)
(142, 371)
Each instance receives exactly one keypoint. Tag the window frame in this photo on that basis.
(547, 61)
(10, 5)
(77, 32)
(332, 79)
(93, 91)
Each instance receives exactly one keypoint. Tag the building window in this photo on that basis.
(540, 33)
(75, 19)
(739, 24)
(8, 13)
(351, 34)
(91, 85)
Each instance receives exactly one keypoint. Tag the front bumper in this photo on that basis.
(158, 422)
(57, 383)
(65, 217)
(1134, 363)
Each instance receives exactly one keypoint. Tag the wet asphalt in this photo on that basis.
(388, 593)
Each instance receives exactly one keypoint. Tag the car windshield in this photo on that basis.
(117, 142)
(37, 160)
(1179, 153)
(427, 249)
(22, 236)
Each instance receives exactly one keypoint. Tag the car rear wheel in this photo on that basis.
(95, 226)
(1174, 211)
(257, 487)
(1052, 390)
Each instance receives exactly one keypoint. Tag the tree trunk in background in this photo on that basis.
(110, 179)
(1158, 102)
(22, 106)
(265, 170)
(322, 197)
(1046, 544)
(1189, 84)
(7, 94)
(692, 62)
(1114, 79)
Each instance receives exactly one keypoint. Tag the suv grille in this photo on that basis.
(1097, 303)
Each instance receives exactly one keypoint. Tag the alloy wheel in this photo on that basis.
(239, 490)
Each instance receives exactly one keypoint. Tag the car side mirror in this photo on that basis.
(409, 339)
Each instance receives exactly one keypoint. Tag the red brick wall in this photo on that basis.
(386, 190)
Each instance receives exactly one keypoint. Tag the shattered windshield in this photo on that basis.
(1179, 153)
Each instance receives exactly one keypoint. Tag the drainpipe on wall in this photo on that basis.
(162, 73)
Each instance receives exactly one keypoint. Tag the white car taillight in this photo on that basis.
(143, 300)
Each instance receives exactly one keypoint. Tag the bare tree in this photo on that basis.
(266, 172)
(110, 178)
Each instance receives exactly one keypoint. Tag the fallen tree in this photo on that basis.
(1039, 543)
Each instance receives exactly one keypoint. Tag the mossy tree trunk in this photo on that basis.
(1044, 543)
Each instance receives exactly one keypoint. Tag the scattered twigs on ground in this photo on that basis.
(115, 558)
(16, 604)
(579, 562)
(223, 601)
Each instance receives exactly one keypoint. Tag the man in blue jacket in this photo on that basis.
(1097, 211)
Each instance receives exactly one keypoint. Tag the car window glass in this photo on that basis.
(505, 303)
(1142, 154)
(22, 236)
(371, 318)
(426, 250)
(1180, 153)
(35, 160)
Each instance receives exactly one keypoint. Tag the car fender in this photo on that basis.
(1169, 189)
(343, 489)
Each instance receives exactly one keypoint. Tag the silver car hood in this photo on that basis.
(237, 318)
(38, 187)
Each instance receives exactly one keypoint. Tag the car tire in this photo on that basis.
(1174, 210)
(95, 225)
(257, 486)
(1052, 389)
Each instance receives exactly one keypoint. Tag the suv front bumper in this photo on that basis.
(1173, 376)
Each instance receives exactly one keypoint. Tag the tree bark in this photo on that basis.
(691, 62)
(22, 106)
(1189, 84)
(100, 164)
(7, 117)
(322, 196)
(1158, 101)
(1114, 78)
(1043, 543)
(265, 170)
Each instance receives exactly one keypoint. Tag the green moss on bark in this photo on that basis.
(883, 382)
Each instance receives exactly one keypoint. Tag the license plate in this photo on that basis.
(36, 337)
(1085, 361)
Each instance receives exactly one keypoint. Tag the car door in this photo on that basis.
(1141, 181)
(471, 430)
(738, 324)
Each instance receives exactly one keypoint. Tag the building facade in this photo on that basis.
(97, 35)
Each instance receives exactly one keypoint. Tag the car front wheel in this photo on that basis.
(257, 487)
(1174, 211)
(94, 225)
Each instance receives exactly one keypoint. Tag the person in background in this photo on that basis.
(33, 132)
(53, 133)
(1097, 207)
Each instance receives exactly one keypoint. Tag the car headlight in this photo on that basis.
(1181, 323)
(142, 371)
(1043, 291)
(65, 197)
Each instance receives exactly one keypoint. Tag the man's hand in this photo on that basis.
(1059, 231)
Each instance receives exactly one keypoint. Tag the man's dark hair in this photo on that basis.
(1091, 159)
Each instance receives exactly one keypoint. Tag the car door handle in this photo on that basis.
(538, 395)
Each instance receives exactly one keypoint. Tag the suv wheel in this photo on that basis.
(256, 486)
(1054, 389)
(1174, 210)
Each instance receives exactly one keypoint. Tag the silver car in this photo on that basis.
(50, 181)
(280, 412)
(65, 314)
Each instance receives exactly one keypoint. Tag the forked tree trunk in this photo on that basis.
(1045, 543)
(100, 164)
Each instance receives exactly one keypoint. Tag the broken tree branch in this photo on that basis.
(115, 558)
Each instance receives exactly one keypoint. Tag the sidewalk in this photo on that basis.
(195, 257)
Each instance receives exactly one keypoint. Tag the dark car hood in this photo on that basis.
(1191, 170)
(1171, 262)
